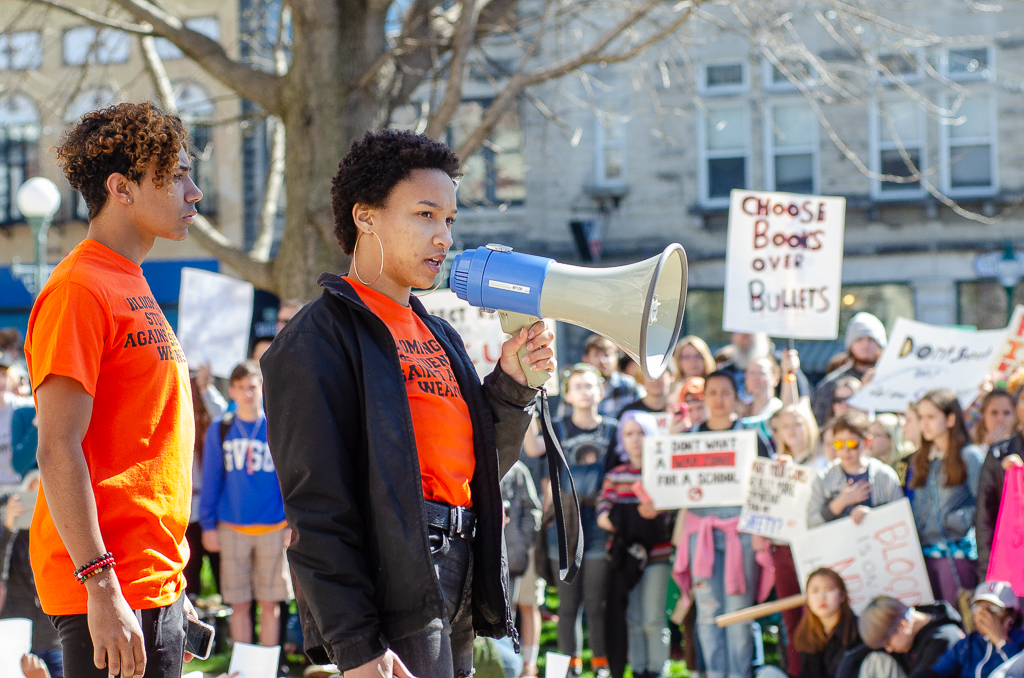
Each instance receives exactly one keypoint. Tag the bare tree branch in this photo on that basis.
(464, 32)
(98, 19)
(255, 85)
(259, 273)
(157, 72)
(272, 195)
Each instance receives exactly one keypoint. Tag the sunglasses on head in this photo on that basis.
(848, 444)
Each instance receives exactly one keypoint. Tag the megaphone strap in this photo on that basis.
(558, 468)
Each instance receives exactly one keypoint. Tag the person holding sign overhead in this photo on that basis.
(854, 482)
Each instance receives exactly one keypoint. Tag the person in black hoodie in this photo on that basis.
(388, 448)
(901, 641)
(1001, 457)
(828, 627)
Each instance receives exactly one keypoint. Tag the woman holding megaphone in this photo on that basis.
(387, 446)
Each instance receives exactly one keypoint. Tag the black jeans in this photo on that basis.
(163, 630)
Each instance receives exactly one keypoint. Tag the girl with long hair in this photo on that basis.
(887, 444)
(998, 419)
(944, 475)
(828, 628)
(693, 358)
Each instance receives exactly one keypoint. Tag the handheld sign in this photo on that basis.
(922, 357)
(15, 643)
(880, 557)
(784, 264)
(1010, 355)
(214, 317)
(777, 498)
(691, 470)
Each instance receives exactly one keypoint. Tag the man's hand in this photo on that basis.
(385, 666)
(989, 625)
(34, 667)
(190, 613)
(116, 634)
(211, 541)
(859, 513)
(853, 493)
(541, 357)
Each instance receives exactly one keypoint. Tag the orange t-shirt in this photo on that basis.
(440, 416)
(96, 322)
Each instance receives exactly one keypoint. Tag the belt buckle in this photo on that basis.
(454, 521)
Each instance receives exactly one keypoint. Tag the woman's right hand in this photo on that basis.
(385, 666)
(14, 509)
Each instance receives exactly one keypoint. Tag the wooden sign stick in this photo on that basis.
(758, 611)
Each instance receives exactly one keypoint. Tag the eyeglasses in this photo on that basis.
(848, 444)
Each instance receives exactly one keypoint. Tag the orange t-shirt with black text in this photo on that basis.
(440, 416)
(96, 322)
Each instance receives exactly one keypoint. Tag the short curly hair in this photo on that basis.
(374, 165)
(124, 138)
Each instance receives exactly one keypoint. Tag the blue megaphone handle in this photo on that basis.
(496, 277)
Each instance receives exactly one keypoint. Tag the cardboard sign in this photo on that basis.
(922, 357)
(691, 470)
(880, 557)
(1010, 355)
(777, 498)
(1005, 563)
(214, 318)
(784, 264)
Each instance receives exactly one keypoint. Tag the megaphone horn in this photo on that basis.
(638, 306)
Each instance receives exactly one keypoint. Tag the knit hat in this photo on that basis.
(997, 592)
(865, 325)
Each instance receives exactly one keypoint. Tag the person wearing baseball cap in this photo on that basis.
(998, 637)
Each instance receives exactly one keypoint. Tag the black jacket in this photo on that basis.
(341, 435)
(990, 495)
(930, 642)
(825, 664)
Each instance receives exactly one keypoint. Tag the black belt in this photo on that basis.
(456, 521)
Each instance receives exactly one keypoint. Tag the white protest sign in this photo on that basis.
(556, 665)
(214, 317)
(1010, 355)
(880, 557)
(777, 498)
(691, 470)
(784, 264)
(922, 357)
(15, 643)
(255, 661)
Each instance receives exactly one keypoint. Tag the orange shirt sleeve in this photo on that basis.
(69, 336)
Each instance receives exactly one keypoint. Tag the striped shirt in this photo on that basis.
(618, 489)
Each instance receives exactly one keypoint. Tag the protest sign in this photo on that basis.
(1010, 355)
(1005, 563)
(254, 661)
(15, 643)
(691, 470)
(777, 498)
(880, 557)
(784, 264)
(214, 318)
(922, 357)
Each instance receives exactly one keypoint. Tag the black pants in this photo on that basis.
(163, 630)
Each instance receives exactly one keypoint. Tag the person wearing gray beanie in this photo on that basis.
(865, 339)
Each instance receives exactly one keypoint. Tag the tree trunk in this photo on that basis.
(323, 111)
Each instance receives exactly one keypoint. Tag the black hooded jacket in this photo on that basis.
(341, 435)
(990, 495)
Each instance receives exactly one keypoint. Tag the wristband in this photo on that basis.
(104, 562)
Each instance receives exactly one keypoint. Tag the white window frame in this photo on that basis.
(771, 151)
(37, 60)
(959, 77)
(704, 155)
(909, 78)
(601, 143)
(722, 90)
(93, 58)
(768, 79)
(876, 146)
(946, 153)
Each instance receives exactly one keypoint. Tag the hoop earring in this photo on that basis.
(356, 271)
(440, 279)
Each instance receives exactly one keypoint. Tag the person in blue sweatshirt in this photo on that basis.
(998, 637)
(242, 513)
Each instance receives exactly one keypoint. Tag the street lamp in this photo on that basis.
(38, 200)
(1008, 272)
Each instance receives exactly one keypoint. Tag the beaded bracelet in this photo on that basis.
(104, 562)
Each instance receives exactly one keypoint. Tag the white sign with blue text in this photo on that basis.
(777, 496)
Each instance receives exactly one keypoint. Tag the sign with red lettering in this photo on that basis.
(1010, 356)
(784, 264)
(880, 557)
(698, 469)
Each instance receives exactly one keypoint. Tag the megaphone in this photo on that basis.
(638, 306)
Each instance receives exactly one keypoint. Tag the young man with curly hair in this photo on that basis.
(115, 409)
(388, 448)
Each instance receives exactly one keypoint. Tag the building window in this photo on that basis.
(610, 149)
(792, 142)
(725, 143)
(21, 51)
(197, 111)
(494, 176)
(968, 63)
(86, 44)
(88, 100)
(894, 124)
(968, 148)
(207, 25)
(19, 141)
(703, 316)
(886, 301)
(900, 66)
(723, 78)
(982, 303)
(778, 80)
